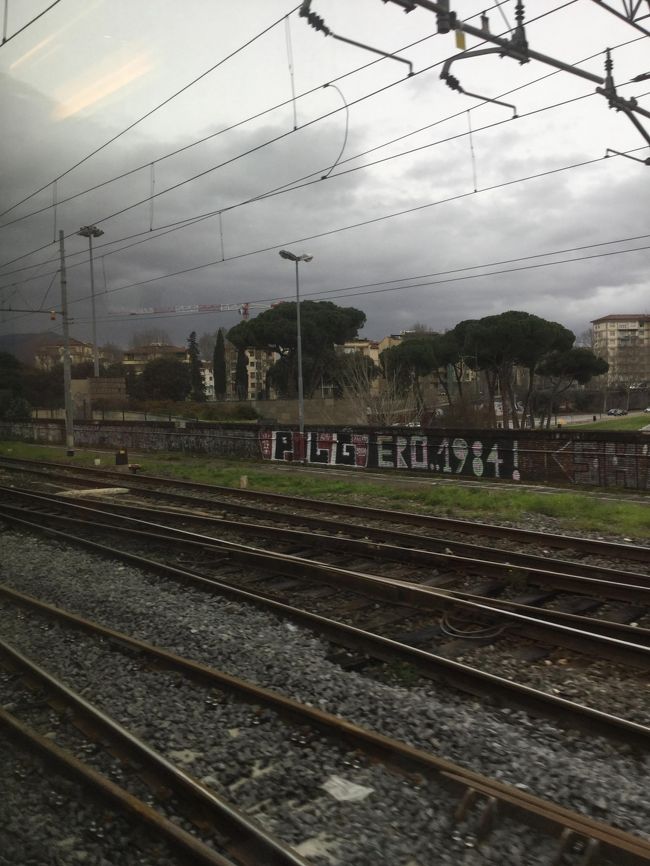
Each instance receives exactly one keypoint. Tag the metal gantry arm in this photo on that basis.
(633, 12)
(318, 24)
(517, 47)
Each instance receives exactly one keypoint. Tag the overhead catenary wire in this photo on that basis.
(6, 39)
(331, 232)
(195, 143)
(555, 72)
(273, 140)
(404, 279)
(210, 136)
(350, 293)
(190, 220)
(152, 110)
(298, 183)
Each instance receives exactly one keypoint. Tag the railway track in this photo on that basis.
(237, 569)
(482, 801)
(261, 504)
(401, 597)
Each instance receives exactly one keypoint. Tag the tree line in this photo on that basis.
(496, 349)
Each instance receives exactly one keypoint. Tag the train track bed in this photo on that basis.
(46, 818)
(496, 649)
(542, 537)
(218, 738)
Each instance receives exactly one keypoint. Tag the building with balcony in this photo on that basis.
(136, 359)
(48, 356)
(623, 340)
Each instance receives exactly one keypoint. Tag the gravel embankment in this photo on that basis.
(246, 754)
(47, 819)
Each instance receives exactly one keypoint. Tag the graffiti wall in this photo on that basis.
(491, 457)
(585, 459)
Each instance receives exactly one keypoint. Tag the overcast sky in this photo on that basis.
(84, 72)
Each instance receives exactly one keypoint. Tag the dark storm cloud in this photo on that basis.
(578, 207)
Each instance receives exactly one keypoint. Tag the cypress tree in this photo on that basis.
(196, 379)
(241, 375)
(219, 367)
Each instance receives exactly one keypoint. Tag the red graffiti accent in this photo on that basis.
(360, 442)
(266, 444)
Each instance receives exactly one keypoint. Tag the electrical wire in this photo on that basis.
(486, 633)
(200, 141)
(349, 293)
(29, 23)
(390, 215)
(291, 186)
(257, 148)
(153, 110)
(191, 221)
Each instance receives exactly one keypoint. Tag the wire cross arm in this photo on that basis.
(611, 151)
(452, 82)
(318, 24)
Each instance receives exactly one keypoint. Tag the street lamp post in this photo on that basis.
(305, 257)
(91, 232)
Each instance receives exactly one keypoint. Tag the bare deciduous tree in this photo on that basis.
(378, 400)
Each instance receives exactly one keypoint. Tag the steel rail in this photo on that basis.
(133, 482)
(246, 840)
(452, 673)
(66, 763)
(585, 579)
(382, 535)
(635, 593)
(549, 626)
(591, 636)
(630, 586)
(389, 751)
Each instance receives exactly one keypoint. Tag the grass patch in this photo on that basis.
(572, 511)
(629, 423)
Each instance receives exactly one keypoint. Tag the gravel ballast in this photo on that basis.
(243, 752)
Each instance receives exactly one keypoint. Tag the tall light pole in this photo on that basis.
(91, 232)
(67, 376)
(305, 257)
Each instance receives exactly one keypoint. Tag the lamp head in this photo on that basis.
(305, 257)
(90, 231)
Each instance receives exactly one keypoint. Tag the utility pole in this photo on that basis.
(91, 232)
(67, 372)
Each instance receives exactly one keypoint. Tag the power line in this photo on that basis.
(151, 111)
(196, 143)
(214, 134)
(298, 184)
(6, 39)
(351, 291)
(275, 139)
(359, 224)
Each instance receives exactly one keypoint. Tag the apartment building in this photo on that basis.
(47, 356)
(624, 342)
(136, 359)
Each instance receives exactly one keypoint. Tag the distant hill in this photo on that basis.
(25, 346)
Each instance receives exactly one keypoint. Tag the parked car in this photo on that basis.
(617, 412)
(647, 410)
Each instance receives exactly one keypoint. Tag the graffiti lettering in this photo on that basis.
(394, 451)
